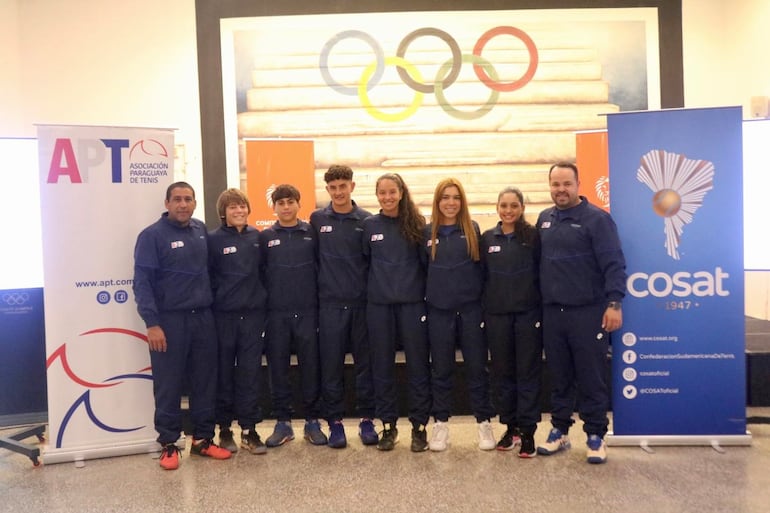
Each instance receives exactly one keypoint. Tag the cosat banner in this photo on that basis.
(99, 186)
(678, 362)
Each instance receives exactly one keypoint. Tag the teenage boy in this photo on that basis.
(289, 250)
(342, 270)
(173, 297)
(240, 301)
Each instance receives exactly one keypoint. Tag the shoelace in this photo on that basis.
(170, 449)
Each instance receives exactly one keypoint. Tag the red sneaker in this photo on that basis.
(169, 457)
(207, 447)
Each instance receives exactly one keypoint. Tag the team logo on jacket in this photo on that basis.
(494, 249)
(546, 224)
(377, 237)
(229, 250)
(274, 242)
(326, 229)
(177, 244)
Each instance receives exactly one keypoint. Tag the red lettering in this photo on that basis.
(63, 163)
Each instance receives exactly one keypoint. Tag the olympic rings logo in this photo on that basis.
(446, 75)
(16, 298)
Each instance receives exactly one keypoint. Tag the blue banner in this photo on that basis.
(676, 195)
(22, 357)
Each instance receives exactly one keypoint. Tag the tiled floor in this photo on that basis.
(299, 477)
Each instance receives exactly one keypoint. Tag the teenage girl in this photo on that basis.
(510, 253)
(396, 308)
(453, 294)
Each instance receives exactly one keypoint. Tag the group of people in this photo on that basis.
(348, 281)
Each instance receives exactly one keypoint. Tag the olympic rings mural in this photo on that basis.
(446, 75)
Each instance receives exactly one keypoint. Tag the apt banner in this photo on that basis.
(99, 186)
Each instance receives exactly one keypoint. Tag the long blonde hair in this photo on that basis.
(463, 219)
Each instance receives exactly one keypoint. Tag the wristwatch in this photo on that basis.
(615, 305)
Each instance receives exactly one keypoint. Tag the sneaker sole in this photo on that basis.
(595, 460)
(255, 450)
(527, 455)
(314, 442)
(207, 455)
(280, 442)
(395, 442)
(546, 452)
(369, 441)
(338, 445)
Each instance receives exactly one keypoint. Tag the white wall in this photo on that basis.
(725, 52)
(10, 80)
(103, 63)
(135, 63)
(725, 62)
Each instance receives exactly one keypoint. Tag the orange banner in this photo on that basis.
(592, 159)
(271, 162)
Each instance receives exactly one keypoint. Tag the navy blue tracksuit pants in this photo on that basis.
(516, 346)
(576, 354)
(190, 358)
(447, 328)
(299, 330)
(241, 338)
(342, 329)
(406, 322)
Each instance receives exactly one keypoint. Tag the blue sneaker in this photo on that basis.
(367, 432)
(313, 433)
(281, 434)
(557, 441)
(596, 452)
(337, 438)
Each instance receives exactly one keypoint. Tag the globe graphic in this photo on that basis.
(666, 202)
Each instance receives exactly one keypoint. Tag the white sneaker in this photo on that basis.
(557, 441)
(596, 451)
(487, 440)
(440, 438)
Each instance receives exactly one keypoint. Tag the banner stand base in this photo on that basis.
(13, 442)
(645, 441)
(78, 455)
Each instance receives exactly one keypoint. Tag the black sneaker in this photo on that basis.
(527, 449)
(226, 440)
(419, 439)
(208, 448)
(389, 438)
(510, 439)
(252, 442)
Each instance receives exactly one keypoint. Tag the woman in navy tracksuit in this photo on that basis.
(396, 308)
(510, 253)
(453, 294)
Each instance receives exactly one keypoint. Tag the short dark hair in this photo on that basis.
(179, 185)
(564, 163)
(283, 191)
(338, 172)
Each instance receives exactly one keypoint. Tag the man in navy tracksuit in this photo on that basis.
(239, 308)
(289, 250)
(173, 296)
(342, 270)
(582, 280)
